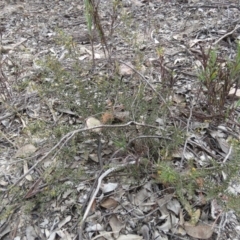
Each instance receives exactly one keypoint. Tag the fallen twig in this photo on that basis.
(102, 176)
(227, 34)
(186, 142)
(67, 137)
(227, 6)
(145, 80)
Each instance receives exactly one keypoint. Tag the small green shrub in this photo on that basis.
(218, 77)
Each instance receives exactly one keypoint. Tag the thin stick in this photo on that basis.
(186, 142)
(227, 156)
(97, 190)
(67, 137)
(227, 34)
(149, 84)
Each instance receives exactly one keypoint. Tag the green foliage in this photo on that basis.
(218, 78)
(207, 182)
(89, 14)
(120, 142)
(167, 174)
(8, 210)
(65, 40)
(36, 127)
(29, 206)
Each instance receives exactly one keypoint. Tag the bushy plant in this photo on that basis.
(218, 77)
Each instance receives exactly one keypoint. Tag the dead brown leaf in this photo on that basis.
(25, 151)
(109, 203)
(124, 70)
(202, 231)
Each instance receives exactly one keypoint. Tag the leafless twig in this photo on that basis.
(229, 153)
(97, 190)
(147, 136)
(145, 80)
(68, 136)
(226, 35)
(185, 144)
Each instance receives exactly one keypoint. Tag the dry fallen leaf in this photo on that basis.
(64, 221)
(174, 206)
(109, 203)
(145, 232)
(200, 231)
(31, 233)
(116, 225)
(25, 151)
(124, 70)
(94, 228)
(93, 122)
(121, 116)
(94, 206)
(224, 145)
(234, 92)
(25, 170)
(130, 237)
(107, 117)
(108, 187)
